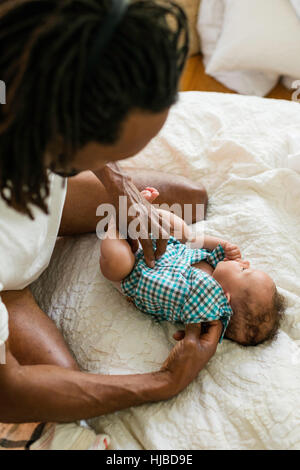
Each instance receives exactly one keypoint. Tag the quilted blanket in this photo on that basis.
(245, 398)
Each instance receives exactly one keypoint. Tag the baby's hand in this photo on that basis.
(232, 252)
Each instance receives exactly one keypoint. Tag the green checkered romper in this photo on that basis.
(176, 291)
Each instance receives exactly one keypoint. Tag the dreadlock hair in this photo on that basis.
(52, 96)
(253, 324)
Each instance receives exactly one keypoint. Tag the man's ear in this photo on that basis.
(227, 295)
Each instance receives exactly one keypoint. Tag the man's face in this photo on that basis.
(138, 129)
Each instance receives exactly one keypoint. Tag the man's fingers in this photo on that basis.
(134, 244)
(161, 246)
(148, 251)
(210, 331)
(179, 335)
(164, 235)
(193, 330)
(214, 332)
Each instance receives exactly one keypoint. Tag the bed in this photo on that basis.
(245, 398)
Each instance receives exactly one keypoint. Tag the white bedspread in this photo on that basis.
(245, 398)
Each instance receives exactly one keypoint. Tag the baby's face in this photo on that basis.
(237, 276)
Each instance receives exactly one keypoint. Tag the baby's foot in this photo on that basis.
(150, 194)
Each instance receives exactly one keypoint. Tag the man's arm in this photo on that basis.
(52, 393)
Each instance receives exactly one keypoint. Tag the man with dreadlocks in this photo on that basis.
(88, 83)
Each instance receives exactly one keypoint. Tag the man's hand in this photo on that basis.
(141, 215)
(232, 252)
(192, 352)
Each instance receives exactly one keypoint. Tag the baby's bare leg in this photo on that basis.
(117, 259)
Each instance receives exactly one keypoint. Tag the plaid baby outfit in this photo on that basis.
(176, 291)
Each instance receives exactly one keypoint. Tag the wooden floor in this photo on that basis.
(195, 78)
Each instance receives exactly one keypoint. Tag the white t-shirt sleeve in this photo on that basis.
(26, 245)
(3, 322)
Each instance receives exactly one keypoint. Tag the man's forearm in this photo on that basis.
(51, 393)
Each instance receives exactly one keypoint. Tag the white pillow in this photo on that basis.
(209, 25)
(258, 35)
(288, 82)
(296, 6)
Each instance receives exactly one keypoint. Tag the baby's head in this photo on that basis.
(257, 306)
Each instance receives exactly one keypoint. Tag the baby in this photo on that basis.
(199, 282)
